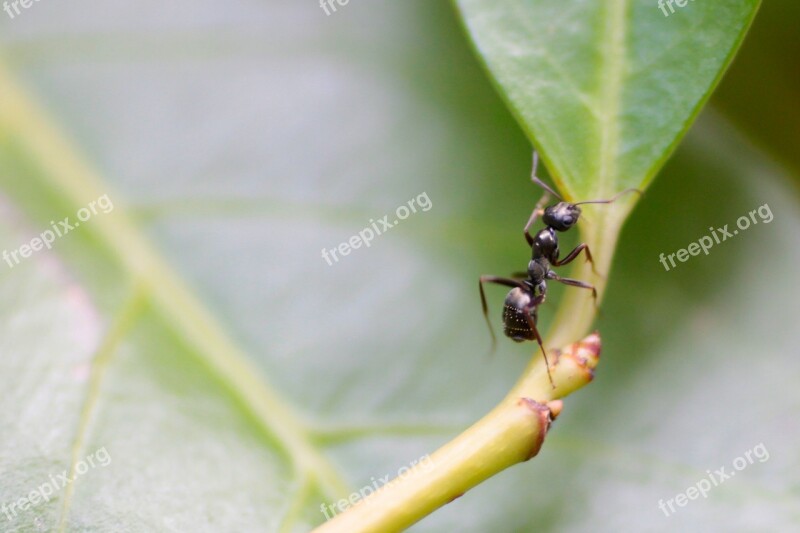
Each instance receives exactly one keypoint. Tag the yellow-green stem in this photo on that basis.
(511, 433)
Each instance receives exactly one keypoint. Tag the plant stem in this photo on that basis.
(511, 433)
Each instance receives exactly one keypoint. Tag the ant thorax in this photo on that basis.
(545, 245)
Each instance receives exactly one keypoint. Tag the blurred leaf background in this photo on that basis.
(243, 138)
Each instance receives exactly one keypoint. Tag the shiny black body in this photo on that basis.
(529, 289)
(516, 309)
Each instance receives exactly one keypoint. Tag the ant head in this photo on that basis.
(561, 216)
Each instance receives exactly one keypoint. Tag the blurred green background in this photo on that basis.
(244, 137)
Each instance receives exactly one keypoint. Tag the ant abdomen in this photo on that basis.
(515, 323)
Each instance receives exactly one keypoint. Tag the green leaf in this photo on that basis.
(605, 89)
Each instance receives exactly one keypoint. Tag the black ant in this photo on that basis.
(529, 289)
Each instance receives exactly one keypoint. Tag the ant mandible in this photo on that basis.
(529, 289)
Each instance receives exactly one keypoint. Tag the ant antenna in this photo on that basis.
(539, 182)
(612, 199)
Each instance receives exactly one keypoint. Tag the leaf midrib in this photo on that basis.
(611, 76)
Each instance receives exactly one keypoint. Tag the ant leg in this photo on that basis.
(537, 212)
(574, 253)
(539, 209)
(486, 315)
(500, 281)
(537, 181)
(532, 325)
(574, 283)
